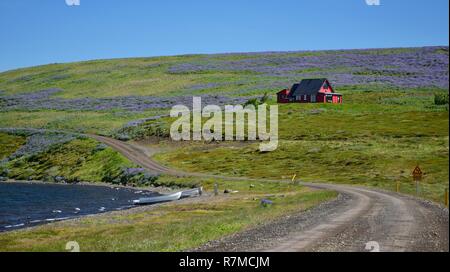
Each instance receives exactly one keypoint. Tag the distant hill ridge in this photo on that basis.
(233, 74)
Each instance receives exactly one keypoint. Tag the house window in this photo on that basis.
(304, 97)
(313, 98)
(325, 86)
(329, 98)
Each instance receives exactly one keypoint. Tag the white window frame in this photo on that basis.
(304, 97)
(313, 98)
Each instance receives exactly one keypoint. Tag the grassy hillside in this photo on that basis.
(101, 96)
(237, 74)
(394, 116)
(9, 144)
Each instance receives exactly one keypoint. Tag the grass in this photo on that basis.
(77, 160)
(151, 76)
(9, 144)
(106, 78)
(374, 143)
(82, 122)
(369, 163)
(375, 138)
(171, 227)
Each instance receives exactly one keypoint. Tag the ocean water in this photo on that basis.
(25, 204)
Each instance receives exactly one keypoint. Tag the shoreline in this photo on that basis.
(75, 219)
(160, 189)
(131, 210)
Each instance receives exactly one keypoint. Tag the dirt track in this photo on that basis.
(359, 216)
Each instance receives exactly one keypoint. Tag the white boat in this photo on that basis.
(192, 192)
(157, 199)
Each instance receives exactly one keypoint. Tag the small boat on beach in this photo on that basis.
(192, 192)
(157, 199)
(172, 197)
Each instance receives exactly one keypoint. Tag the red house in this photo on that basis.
(317, 90)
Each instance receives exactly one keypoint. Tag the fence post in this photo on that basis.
(446, 197)
(398, 187)
(216, 189)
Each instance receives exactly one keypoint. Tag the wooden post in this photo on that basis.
(417, 176)
(216, 189)
(398, 187)
(446, 197)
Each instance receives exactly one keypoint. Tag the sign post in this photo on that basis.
(216, 189)
(417, 176)
(446, 197)
(293, 178)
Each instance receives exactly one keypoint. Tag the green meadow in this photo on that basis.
(120, 77)
(77, 160)
(9, 144)
(375, 143)
(375, 138)
(89, 122)
(174, 226)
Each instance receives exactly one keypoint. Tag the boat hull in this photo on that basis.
(158, 199)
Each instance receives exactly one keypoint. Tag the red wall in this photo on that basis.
(320, 97)
(329, 90)
(282, 96)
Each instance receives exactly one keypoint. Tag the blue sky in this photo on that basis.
(37, 32)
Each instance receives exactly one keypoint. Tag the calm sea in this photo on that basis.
(24, 205)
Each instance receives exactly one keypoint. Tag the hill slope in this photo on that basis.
(390, 121)
(233, 74)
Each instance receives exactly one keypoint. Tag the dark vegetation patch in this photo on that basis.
(67, 158)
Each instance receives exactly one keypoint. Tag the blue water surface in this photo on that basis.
(29, 204)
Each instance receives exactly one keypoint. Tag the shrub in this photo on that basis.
(99, 147)
(4, 172)
(265, 98)
(143, 130)
(131, 176)
(441, 99)
(253, 101)
(256, 102)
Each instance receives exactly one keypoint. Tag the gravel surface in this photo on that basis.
(268, 235)
(359, 218)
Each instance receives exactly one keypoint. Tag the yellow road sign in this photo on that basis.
(417, 173)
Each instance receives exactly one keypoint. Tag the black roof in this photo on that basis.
(307, 86)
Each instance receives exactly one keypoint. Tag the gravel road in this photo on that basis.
(360, 219)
